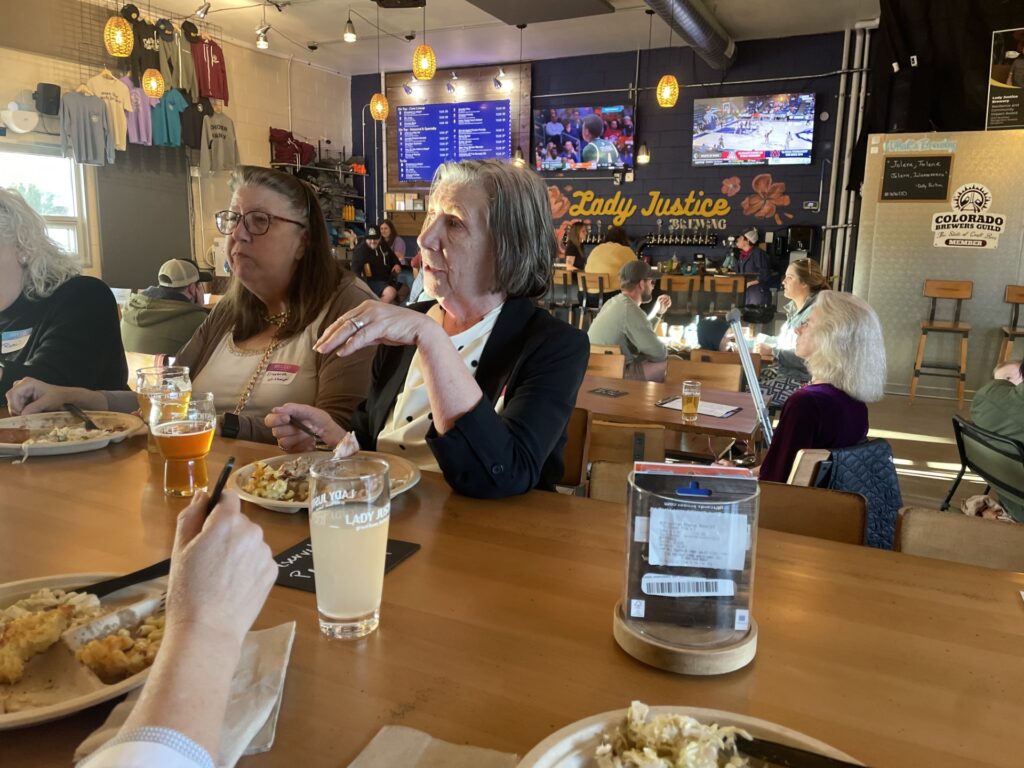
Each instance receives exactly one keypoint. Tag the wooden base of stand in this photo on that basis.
(686, 661)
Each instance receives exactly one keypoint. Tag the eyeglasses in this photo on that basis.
(256, 222)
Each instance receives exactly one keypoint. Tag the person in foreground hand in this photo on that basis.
(481, 383)
(221, 573)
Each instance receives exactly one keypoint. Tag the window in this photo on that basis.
(52, 185)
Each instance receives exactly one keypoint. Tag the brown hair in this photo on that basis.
(317, 274)
(576, 229)
(391, 226)
(616, 234)
(809, 273)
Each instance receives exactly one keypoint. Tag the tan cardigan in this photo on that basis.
(342, 382)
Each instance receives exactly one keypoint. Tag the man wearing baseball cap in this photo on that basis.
(163, 317)
(622, 322)
(375, 262)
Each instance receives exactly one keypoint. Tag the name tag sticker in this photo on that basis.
(12, 341)
(281, 373)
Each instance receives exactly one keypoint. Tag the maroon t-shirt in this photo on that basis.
(815, 416)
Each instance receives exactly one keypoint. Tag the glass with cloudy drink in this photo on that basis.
(349, 509)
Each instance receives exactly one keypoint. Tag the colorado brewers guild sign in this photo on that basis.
(969, 224)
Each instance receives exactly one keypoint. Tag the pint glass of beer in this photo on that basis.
(349, 509)
(161, 379)
(691, 400)
(183, 424)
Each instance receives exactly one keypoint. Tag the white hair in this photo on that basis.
(848, 349)
(45, 266)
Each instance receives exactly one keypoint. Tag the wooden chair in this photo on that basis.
(594, 286)
(575, 456)
(138, 360)
(612, 450)
(958, 291)
(1014, 296)
(563, 294)
(605, 349)
(995, 458)
(684, 292)
(710, 375)
(961, 539)
(731, 358)
(805, 465)
(608, 365)
(818, 512)
(723, 286)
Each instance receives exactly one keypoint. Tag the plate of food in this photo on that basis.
(62, 651)
(281, 484)
(50, 434)
(640, 735)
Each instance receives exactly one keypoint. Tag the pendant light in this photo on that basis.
(118, 37)
(261, 32)
(379, 102)
(668, 87)
(153, 83)
(424, 62)
(643, 154)
(350, 30)
(518, 158)
(202, 10)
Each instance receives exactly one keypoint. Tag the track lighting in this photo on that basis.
(350, 30)
(643, 155)
(261, 37)
(450, 85)
(498, 82)
(202, 10)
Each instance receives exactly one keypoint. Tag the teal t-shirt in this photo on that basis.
(167, 119)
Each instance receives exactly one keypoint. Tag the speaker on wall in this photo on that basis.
(47, 96)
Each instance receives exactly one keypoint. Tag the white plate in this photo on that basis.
(403, 475)
(124, 424)
(56, 675)
(573, 746)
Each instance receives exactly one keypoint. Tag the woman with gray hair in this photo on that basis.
(843, 349)
(56, 325)
(481, 383)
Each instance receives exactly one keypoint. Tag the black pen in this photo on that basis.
(219, 487)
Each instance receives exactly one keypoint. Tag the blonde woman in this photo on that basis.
(57, 325)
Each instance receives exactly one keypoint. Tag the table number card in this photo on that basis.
(295, 564)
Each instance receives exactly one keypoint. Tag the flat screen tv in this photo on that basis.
(583, 138)
(754, 130)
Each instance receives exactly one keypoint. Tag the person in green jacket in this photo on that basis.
(163, 317)
(999, 407)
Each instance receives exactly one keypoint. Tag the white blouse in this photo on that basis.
(405, 431)
(290, 374)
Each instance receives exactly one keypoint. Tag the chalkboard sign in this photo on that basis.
(916, 177)
(295, 564)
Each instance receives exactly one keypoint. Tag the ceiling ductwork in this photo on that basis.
(699, 29)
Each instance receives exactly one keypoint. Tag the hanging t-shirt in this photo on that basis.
(192, 122)
(210, 69)
(219, 151)
(167, 119)
(118, 100)
(140, 119)
(146, 51)
(84, 130)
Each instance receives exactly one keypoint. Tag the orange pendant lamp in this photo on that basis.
(424, 62)
(379, 102)
(118, 37)
(153, 83)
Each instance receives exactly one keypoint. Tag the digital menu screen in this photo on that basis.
(431, 134)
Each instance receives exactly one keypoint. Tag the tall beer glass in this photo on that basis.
(183, 424)
(157, 380)
(349, 509)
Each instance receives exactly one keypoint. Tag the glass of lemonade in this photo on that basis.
(691, 400)
(183, 423)
(158, 380)
(349, 509)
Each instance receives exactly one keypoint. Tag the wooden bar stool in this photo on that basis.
(563, 294)
(725, 285)
(1014, 297)
(594, 286)
(955, 290)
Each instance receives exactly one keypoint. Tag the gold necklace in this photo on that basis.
(279, 319)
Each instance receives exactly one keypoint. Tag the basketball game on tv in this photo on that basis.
(754, 130)
(583, 138)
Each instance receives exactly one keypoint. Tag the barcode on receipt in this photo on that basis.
(686, 586)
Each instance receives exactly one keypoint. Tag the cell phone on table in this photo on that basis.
(218, 489)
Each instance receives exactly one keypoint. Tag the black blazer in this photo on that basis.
(538, 362)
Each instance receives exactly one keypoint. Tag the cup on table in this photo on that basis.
(691, 400)
(675, 334)
(183, 423)
(349, 509)
(161, 379)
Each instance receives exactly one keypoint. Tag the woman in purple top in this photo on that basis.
(844, 352)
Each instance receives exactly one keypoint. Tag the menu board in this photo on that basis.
(431, 134)
(916, 177)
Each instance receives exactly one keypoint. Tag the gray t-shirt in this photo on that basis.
(622, 322)
(85, 132)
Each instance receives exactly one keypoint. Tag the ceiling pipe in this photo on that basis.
(699, 29)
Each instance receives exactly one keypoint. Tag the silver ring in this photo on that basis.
(357, 323)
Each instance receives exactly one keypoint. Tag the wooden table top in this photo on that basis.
(498, 631)
(640, 404)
